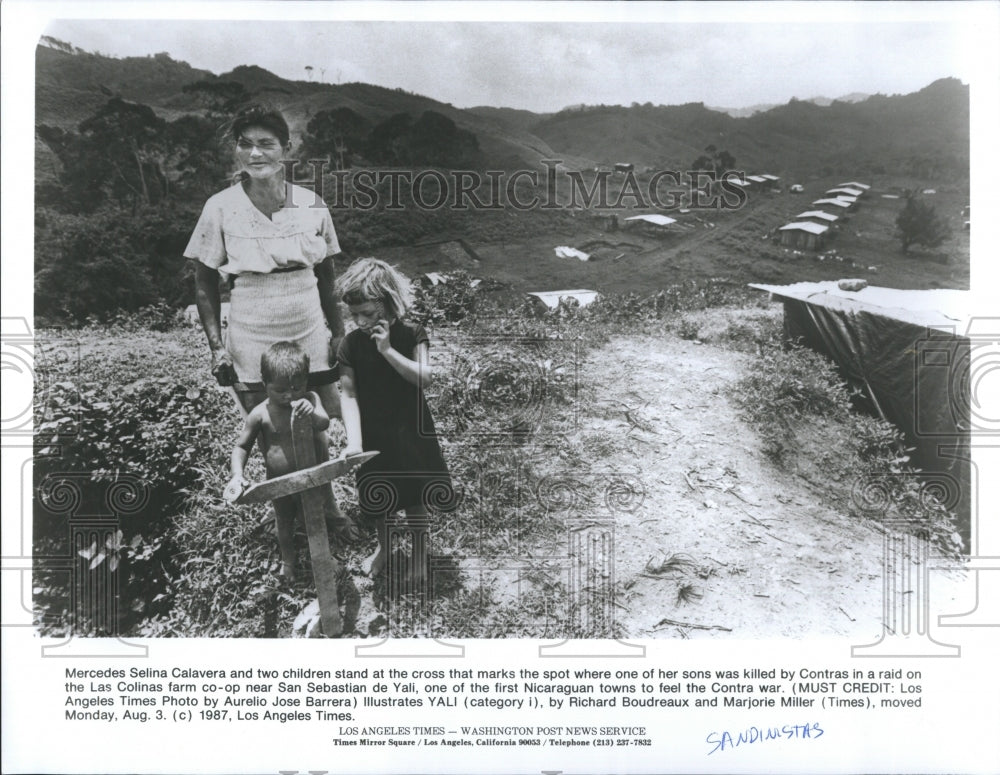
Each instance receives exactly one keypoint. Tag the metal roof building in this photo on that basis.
(812, 228)
(655, 218)
(819, 214)
(804, 235)
(855, 192)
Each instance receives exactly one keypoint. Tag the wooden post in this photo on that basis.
(316, 501)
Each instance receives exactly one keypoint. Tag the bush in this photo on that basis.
(134, 453)
(920, 224)
(796, 382)
(447, 302)
(153, 430)
(225, 569)
(800, 391)
(111, 261)
(687, 329)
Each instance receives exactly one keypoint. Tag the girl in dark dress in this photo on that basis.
(384, 369)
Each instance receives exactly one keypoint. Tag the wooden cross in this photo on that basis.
(311, 483)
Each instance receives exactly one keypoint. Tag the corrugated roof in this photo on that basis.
(940, 307)
(818, 214)
(659, 220)
(770, 177)
(809, 226)
(835, 202)
(848, 191)
(757, 178)
(855, 184)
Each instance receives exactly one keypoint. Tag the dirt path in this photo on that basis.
(769, 556)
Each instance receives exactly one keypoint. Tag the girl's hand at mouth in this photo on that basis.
(380, 333)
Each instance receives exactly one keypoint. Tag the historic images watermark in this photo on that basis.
(552, 187)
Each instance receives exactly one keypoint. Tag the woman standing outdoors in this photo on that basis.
(274, 242)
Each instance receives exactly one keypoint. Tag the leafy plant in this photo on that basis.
(800, 389)
(920, 224)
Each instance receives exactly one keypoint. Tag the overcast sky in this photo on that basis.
(660, 55)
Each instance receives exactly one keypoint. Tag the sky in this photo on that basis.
(718, 54)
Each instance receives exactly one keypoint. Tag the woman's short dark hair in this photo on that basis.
(262, 115)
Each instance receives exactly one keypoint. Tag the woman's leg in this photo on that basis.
(249, 399)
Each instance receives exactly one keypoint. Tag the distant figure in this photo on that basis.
(384, 370)
(613, 223)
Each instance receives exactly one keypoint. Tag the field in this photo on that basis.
(707, 243)
(619, 472)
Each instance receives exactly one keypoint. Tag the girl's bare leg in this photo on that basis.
(375, 564)
(418, 515)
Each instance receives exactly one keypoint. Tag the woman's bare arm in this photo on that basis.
(206, 283)
(326, 278)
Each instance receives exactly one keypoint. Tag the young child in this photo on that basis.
(384, 369)
(285, 371)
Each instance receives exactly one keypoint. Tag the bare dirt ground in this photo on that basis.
(769, 553)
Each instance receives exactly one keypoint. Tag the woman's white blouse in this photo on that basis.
(233, 236)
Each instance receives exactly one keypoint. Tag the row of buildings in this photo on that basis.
(762, 182)
(811, 229)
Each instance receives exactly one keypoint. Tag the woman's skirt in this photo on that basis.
(277, 307)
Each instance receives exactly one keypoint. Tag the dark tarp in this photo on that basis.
(909, 365)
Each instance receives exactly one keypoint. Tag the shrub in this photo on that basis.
(144, 442)
(447, 302)
(111, 261)
(920, 224)
(757, 335)
(799, 389)
(687, 329)
(796, 382)
(224, 579)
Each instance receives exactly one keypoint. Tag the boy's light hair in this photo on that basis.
(284, 360)
(370, 279)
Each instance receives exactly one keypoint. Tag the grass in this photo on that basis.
(803, 416)
(508, 392)
(508, 382)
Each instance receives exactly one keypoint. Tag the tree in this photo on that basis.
(920, 224)
(338, 133)
(434, 139)
(125, 154)
(120, 153)
(381, 145)
(220, 98)
(199, 162)
(715, 161)
(127, 138)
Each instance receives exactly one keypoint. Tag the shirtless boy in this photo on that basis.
(285, 371)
